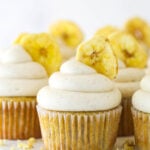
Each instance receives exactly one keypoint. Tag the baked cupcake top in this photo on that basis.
(78, 87)
(141, 97)
(19, 74)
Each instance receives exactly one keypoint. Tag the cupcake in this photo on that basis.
(23, 71)
(20, 80)
(127, 81)
(141, 114)
(68, 36)
(132, 62)
(79, 106)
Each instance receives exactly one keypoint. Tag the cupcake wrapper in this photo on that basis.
(79, 130)
(126, 121)
(141, 129)
(19, 119)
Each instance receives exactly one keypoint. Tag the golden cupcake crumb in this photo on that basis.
(128, 145)
(26, 145)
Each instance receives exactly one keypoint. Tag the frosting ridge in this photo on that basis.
(19, 75)
(141, 98)
(128, 80)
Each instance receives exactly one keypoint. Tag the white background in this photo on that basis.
(18, 16)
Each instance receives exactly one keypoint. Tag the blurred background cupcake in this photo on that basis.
(132, 60)
(79, 106)
(68, 35)
(134, 57)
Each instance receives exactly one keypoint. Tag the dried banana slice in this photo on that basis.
(128, 50)
(106, 31)
(68, 32)
(98, 53)
(43, 49)
(140, 29)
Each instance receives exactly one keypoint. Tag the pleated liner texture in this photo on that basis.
(126, 121)
(79, 130)
(18, 119)
(141, 129)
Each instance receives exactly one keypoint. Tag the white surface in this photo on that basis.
(35, 15)
(39, 144)
(9, 144)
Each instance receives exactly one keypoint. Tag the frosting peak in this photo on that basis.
(77, 87)
(19, 75)
(15, 54)
(75, 67)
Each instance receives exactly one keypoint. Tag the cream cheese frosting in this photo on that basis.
(19, 75)
(78, 87)
(128, 79)
(141, 98)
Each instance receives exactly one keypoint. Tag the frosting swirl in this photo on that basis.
(128, 80)
(19, 75)
(78, 87)
(141, 97)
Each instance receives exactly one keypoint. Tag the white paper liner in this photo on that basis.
(79, 130)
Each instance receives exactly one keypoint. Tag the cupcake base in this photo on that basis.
(79, 130)
(18, 118)
(141, 129)
(126, 121)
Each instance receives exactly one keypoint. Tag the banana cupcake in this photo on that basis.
(23, 71)
(141, 114)
(68, 36)
(128, 81)
(79, 106)
(20, 80)
(133, 59)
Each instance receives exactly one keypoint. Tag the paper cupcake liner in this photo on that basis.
(79, 130)
(141, 129)
(18, 118)
(126, 121)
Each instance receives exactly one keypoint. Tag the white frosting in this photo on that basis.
(141, 98)
(78, 87)
(19, 75)
(66, 51)
(130, 75)
(121, 64)
(128, 79)
(148, 63)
